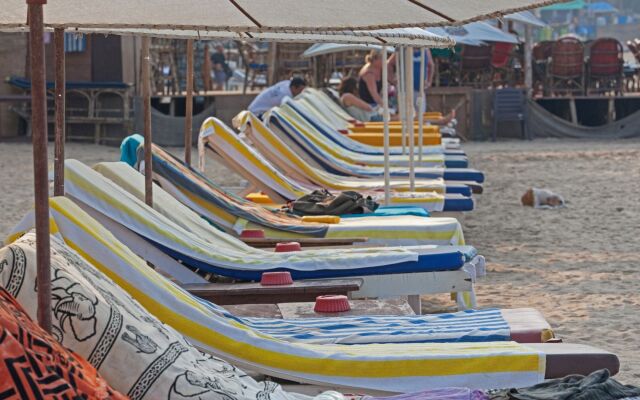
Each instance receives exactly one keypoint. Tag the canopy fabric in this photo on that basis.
(601, 7)
(261, 15)
(475, 32)
(392, 37)
(320, 49)
(566, 6)
(527, 18)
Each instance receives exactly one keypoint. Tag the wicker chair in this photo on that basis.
(540, 58)
(605, 66)
(566, 70)
(475, 65)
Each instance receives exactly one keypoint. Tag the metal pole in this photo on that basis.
(385, 118)
(40, 178)
(58, 158)
(410, 116)
(188, 114)
(421, 105)
(401, 96)
(146, 101)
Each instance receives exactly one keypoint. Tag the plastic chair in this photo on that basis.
(501, 55)
(509, 105)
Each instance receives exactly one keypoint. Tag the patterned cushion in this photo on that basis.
(137, 354)
(33, 365)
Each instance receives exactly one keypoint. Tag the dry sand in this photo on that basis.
(578, 265)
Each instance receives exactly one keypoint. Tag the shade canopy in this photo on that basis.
(527, 18)
(320, 49)
(475, 33)
(262, 15)
(414, 37)
(602, 7)
(566, 6)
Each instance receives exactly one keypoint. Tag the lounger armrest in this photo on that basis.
(304, 242)
(245, 293)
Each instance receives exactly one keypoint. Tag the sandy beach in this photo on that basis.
(577, 265)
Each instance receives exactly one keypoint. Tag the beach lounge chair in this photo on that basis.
(385, 271)
(235, 214)
(385, 367)
(299, 178)
(314, 133)
(312, 101)
(327, 111)
(372, 133)
(291, 127)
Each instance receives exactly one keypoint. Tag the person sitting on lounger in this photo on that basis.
(354, 105)
(274, 95)
(370, 79)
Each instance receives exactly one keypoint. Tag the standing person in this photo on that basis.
(221, 70)
(274, 95)
(354, 105)
(370, 79)
(428, 76)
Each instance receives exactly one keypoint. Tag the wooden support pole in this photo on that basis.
(146, 101)
(58, 158)
(40, 174)
(188, 114)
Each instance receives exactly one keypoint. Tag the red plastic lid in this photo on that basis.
(352, 121)
(276, 278)
(359, 124)
(343, 131)
(287, 247)
(252, 233)
(332, 304)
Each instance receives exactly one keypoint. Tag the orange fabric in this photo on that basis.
(34, 366)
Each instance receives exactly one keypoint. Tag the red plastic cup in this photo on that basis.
(343, 131)
(287, 247)
(252, 234)
(332, 304)
(276, 278)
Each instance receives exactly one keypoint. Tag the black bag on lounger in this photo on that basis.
(322, 202)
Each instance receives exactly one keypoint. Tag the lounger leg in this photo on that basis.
(466, 300)
(415, 303)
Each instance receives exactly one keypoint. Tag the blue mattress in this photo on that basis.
(458, 202)
(386, 211)
(444, 258)
(463, 174)
(458, 188)
(455, 161)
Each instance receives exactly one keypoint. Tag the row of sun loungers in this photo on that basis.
(132, 282)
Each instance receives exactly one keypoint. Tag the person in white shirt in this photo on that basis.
(274, 95)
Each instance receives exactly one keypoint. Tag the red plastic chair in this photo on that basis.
(501, 54)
